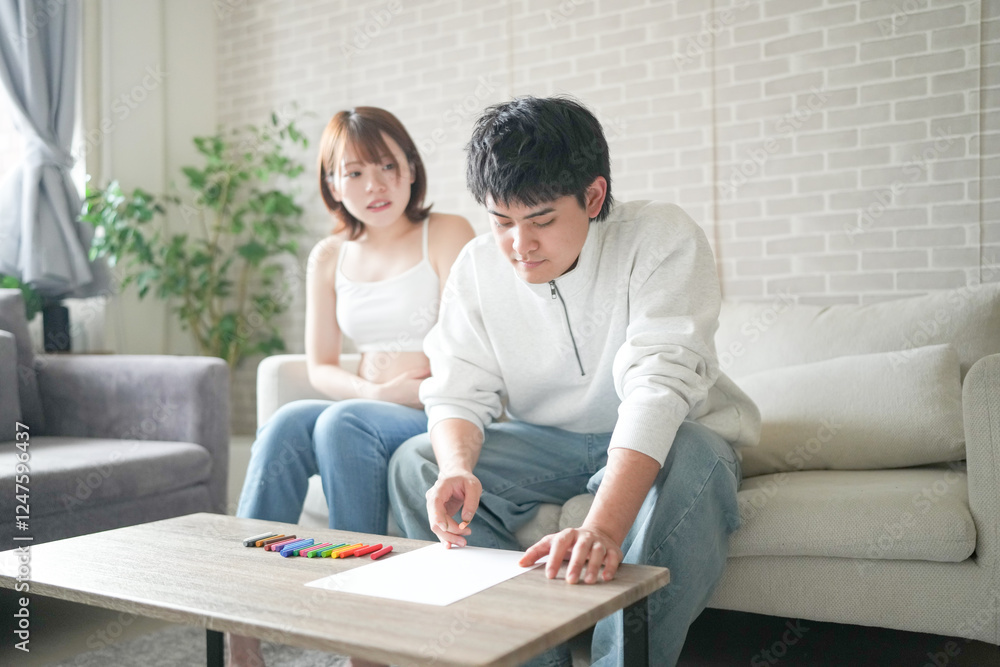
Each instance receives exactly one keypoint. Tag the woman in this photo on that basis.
(377, 279)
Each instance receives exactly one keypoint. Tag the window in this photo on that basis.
(11, 146)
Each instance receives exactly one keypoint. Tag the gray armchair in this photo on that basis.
(114, 440)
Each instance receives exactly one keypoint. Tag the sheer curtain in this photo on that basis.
(41, 242)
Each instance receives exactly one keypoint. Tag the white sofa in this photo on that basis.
(899, 525)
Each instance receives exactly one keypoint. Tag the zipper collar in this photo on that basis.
(569, 325)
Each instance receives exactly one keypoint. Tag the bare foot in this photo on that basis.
(244, 651)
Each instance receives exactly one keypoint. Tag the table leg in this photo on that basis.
(635, 634)
(215, 643)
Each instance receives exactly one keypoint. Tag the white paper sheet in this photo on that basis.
(431, 575)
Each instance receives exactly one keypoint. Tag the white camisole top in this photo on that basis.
(391, 315)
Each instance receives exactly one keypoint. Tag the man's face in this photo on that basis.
(543, 241)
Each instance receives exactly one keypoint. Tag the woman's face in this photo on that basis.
(376, 194)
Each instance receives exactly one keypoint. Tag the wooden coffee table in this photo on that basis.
(194, 570)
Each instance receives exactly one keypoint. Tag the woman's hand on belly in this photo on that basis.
(396, 375)
(403, 389)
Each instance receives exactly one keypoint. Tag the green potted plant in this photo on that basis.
(224, 282)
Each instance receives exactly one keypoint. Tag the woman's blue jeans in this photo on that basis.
(684, 523)
(347, 443)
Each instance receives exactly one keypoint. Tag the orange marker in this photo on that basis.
(269, 540)
(351, 552)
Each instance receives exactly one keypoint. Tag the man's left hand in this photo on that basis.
(586, 549)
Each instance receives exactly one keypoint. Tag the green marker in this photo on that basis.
(326, 552)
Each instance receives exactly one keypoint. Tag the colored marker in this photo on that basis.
(269, 540)
(381, 552)
(367, 550)
(252, 541)
(325, 553)
(298, 549)
(315, 547)
(276, 546)
(293, 543)
(336, 552)
(347, 553)
(293, 549)
(287, 550)
(316, 553)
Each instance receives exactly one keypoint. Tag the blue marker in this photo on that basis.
(296, 543)
(290, 549)
(297, 551)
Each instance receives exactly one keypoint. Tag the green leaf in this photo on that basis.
(237, 225)
(196, 178)
(252, 251)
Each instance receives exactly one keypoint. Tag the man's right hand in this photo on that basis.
(451, 492)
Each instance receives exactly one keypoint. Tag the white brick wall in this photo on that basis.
(842, 150)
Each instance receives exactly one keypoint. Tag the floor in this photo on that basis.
(61, 630)
(717, 638)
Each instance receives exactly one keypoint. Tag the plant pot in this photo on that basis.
(55, 328)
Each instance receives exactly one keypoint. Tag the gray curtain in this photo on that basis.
(41, 241)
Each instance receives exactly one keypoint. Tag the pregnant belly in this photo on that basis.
(381, 367)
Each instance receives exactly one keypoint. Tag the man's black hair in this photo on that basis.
(531, 150)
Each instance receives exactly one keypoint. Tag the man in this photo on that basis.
(594, 323)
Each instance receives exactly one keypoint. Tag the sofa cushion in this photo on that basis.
(110, 515)
(13, 320)
(69, 473)
(858, 412)
(915, 514)
(753, 337)
(10, 402)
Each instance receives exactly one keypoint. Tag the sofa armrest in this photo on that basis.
(284, 378)
(981, 413)
(141, 397)
(10, 401)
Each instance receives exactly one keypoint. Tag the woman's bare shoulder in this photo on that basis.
(324, 255)
(451, 226)
(447, 235)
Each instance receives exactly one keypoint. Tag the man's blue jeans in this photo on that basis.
(348, 443)
(684, 523)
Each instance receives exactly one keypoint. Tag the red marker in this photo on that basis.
(367, 550)
(350, 552)
(381, 552)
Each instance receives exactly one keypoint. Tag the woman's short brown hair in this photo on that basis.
(362, 127)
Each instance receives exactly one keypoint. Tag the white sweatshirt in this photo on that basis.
(623, 342)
